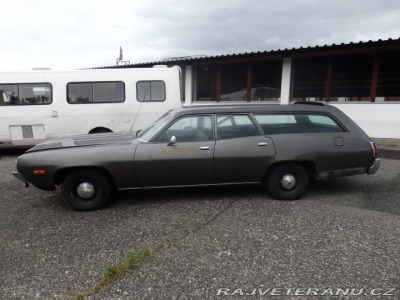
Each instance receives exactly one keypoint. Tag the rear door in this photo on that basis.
(242, 153)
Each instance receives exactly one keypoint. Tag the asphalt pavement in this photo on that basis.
(208, 243)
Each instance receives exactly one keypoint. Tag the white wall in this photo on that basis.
(378, 120)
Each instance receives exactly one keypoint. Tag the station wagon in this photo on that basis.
(282, 147)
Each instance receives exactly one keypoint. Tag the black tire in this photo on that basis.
(281, 185)
(95, 181)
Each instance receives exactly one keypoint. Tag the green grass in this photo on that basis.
(193, 227)
(115, 271)
(129, 262)
(169, 241)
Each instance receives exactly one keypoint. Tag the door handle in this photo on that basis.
(262, 144)
(204, 148)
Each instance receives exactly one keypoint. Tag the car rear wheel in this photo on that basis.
(85, 190)
(287, 181)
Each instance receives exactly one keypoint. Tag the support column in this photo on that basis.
(374, 83)
(218, 96)
(188, 85)
(329, 81)
(286, 80)
(249, 81)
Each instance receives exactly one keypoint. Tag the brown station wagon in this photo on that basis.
(280, 146)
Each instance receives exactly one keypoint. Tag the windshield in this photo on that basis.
(147, 133)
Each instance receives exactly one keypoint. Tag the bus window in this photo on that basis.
(150, 91)
(95, 92)
(109, 91)
(25, 94)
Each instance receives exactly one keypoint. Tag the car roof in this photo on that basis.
(253, 108)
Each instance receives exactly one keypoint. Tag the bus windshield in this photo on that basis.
(146, 134)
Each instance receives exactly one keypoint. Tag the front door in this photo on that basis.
(187, 161)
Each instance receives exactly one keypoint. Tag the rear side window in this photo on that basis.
(235, 126)
(297, 123)
(25, 94)
(95, 92)
(150, 91)
(322, 120)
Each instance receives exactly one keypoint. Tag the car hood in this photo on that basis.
(85, 140)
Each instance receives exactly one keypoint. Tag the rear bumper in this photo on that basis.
(375, 166)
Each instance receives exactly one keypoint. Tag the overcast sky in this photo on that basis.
(73, 34)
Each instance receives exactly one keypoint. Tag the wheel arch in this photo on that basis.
(309, 166)
(61, 174)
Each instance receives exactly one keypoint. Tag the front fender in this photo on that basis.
(116, 159)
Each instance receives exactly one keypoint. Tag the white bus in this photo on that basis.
(39, 105)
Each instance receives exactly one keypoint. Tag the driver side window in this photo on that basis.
(188, 129)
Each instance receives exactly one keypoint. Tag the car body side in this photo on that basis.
(127, 161)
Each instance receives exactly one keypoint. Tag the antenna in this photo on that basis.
(119, 59)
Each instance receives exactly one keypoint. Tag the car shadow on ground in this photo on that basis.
(348, 191)
(143, 196)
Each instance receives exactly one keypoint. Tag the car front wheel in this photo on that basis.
(287, 181)
(85, 190)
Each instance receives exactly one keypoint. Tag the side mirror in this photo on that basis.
(172, 141)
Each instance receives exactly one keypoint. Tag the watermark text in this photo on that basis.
(305, 292)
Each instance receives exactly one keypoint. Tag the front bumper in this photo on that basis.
(375, 166)
(21, 177)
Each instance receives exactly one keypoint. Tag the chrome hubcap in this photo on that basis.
(288, 181)
(85, 190)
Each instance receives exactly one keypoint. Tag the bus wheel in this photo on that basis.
(85, 190)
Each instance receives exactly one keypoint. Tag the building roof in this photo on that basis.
(334, 49)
